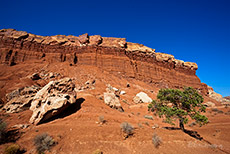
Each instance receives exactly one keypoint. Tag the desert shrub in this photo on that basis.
(156, 140)
(101, 119)
(12, 149)
(220, 111)
(215, 110)
(2, 131)
(98, 151)
(127, 128)
(43, 142)
(148, 117)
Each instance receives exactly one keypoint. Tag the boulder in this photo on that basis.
(209, 104)
(20, 99)
(112, 100)
(122, 92)
(52, 99)
(95, 40)
(84, 39)
(142, 98)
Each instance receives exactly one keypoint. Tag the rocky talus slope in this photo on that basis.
(114, 55)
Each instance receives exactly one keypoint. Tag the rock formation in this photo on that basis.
(217, 97)
(114, 55)
(20, 99)
(52, 99)
(111, 98)
(142, 97)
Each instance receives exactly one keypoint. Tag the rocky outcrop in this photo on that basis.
(112, 101)
(142, 97)
(209, 104)
(218, 97)
(227, 97)
(52, 99)
(20, 99)
(114, 55)
(111, 98)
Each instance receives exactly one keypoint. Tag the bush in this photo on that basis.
(12, 149)
(101, 119)
(156, 140)
(148, 117)
(127, 128)
(43, 142)
(2, 131)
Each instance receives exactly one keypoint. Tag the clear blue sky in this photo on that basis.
(191, 30)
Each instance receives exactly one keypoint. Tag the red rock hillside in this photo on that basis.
(115, 55)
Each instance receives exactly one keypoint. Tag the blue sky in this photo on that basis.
(191, 30)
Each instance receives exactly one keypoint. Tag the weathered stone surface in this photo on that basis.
(138, 47)
(20, 99)
(84, 39)
(191, 65)
(217, 97)
(142, 98)
(209, 104)
(95, 40)
(112, 100)
(114, 55)
(21, 126)
(164, 57)
(52, 99)
(114, 42)
(214, 95)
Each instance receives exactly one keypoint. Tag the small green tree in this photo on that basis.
(173, 104)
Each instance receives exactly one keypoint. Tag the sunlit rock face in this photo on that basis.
(114, 55)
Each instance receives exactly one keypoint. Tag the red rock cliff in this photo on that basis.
(114, 55)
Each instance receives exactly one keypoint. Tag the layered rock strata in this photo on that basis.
(114, 55)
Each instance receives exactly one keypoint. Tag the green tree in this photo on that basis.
(173, 104)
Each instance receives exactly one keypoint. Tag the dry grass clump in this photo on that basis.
(127, 129)
(101, 119)
(12, 149)
(2, 131)
(43, 142)
(156, 140)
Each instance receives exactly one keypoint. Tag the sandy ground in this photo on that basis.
(80, 131)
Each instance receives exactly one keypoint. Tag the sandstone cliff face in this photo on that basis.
(114, 55)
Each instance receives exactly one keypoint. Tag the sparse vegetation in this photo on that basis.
(43, 142)
(98, 151)
(215, 110)
(148, 117)
(173, 104)
(12, 149)
(2, 131)
(127, 128)
(156, 140)
(147, 123)
(140, 125)
(101, 119)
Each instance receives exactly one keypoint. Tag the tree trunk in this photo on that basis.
(182, 124)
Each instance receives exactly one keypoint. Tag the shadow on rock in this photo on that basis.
(73, 108)
(11, 136)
